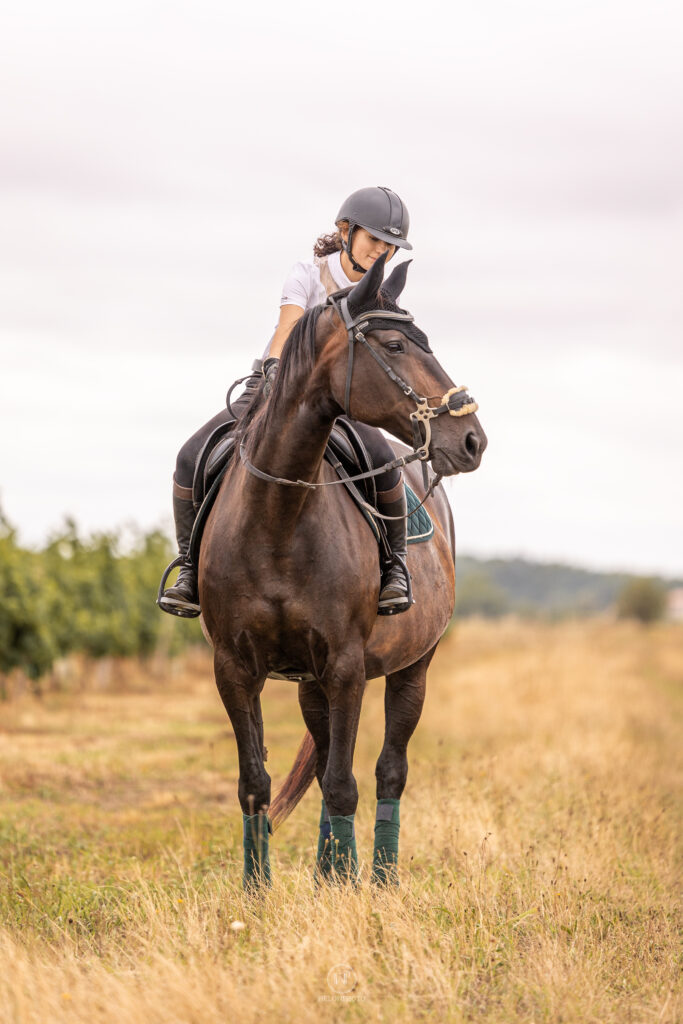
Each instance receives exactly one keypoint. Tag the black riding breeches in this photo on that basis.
(380, 451)
(187, 456)
(378, 448)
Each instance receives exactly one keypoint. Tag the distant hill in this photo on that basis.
(498, 586)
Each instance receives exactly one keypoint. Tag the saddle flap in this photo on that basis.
(201, 482)
(341, 446)
(217, 459)
(346, 443)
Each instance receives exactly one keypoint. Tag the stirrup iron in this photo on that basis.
(168, 604)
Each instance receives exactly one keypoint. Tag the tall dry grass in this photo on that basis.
(540, 848)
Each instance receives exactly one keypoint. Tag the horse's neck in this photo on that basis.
(292, 448)
(295, 442)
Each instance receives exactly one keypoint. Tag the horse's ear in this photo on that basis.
(396, 281)
(364, 295)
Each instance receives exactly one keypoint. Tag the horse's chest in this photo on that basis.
(312, 590)
(320, 577)
(285, 592)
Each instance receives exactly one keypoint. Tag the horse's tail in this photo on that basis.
(297, 782)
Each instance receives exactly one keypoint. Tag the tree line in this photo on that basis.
(93, 595)
(515, 586)
(96, 595)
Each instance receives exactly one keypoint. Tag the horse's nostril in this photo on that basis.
(472, 444)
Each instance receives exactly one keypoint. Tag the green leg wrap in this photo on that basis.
(256, 860)
(385, 853)
(323, 860)
(344, 853)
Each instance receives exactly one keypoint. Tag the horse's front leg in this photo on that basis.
(344, 686)
(316, 712)
(403, 701)
(240, 691)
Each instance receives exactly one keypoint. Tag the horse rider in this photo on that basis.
(370, 222)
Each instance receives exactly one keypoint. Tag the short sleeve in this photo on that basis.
(301, 286)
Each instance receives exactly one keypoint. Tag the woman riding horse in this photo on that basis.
(288, 574)
(370, 223)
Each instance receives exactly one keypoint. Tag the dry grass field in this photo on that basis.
(540, 847)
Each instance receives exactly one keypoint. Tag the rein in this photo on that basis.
(455, 402)
(397, 463)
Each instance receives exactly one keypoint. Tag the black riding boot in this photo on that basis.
(183, 597)
(395, 594)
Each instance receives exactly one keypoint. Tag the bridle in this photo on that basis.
(455, 402)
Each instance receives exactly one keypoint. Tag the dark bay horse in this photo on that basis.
(289, 574)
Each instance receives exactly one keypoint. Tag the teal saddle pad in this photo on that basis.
(420, 525)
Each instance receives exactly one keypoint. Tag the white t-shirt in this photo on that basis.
(303, 286)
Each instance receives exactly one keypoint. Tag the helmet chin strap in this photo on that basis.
(346, 246)
(347, 249)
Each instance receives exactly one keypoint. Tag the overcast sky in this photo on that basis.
(162, 165)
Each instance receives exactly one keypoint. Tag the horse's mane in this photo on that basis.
(297, 360)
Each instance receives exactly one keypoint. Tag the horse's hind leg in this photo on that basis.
(240, 693)
(316, 712)
(403, 702)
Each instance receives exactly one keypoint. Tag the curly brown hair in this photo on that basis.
(327, 244)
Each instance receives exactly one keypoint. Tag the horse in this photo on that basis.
(289, 569)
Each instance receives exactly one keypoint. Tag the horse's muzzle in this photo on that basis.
(463, 457)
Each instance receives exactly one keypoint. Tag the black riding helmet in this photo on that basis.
(381, 212)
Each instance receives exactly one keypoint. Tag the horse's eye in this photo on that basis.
(394, 347)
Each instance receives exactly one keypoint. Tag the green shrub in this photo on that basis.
(26, 639)
(642, 598)
(91, 595)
